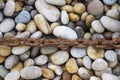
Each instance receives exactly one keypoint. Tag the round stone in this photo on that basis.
(107, 76)
(109, 2)
(59, 57)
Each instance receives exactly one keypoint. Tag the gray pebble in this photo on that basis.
(71, 25)
(2, 4)
(34, 52)
(107, 76)
(109, 2)
(87, 62)
(11, 61)
(25, 34)
(110, 55)
(36, 35)
(1, 16)
(28, 8)
(33, 13)
(80, 32)
(25, 56)
(3, 71)
(30, 2)
(23, 17)
(115, 34)
(97, 36)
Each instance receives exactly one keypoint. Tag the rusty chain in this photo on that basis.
(61, 43)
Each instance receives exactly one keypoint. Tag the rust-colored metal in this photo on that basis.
(61, 43)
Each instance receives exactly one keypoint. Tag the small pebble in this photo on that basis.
(56, 2)
(99, 64)
(76, 77)
(87, 62)
(80, 31)
(3, 71)
(23, 17)
(74, 17)
(17, 67)
(107, 76)
(79, 8)
(25, 56)
(109, 2)
(66, 75)
(36, 35)
(59, 57)
(29, 62)
(20, 27)
(64, 17)
(94, 78)
(5, 50)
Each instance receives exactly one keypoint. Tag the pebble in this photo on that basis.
(79, 8)
(115, 35)
(31, 72)
(113, 14)
(68, 32)
(20, 27)
(54, 25)
(42, 24)
(84, 73)
(76, 77)
(41, 60)
(57, 69)
(2, 59)
(48, 50)
(24, 34)
(77, 52)
(47, 73)
(23, 17)
(20, 50)
(28, 62)
(89, 20)
(87, 62)
(31, 27)
(51, 13)
(64, 17)
(59, 57)
(107, 70)
(113, 64)
(34, 52)
(2, 5)
(109, 2)
(116, 70)
(56, 2)
(71, 24)
(14, 75)
(97, 26)
(87, 36)
(95, 53)
(114, 26)
(97, 36)
(80, 31)
(107, 76)
(9, 8)
(7, 25)
(94, 78)
(11, 61)
(25, 56)
(99, 64)
(66, 75)
(95, 7)
(1, 16)
(5, 50)
(74, 17)
(3, 71)
(30, 2)
(67, 8)
(36, 35)
(33, 13)
(108, 35)
(17, 67)
(110, 55)
(71, 65)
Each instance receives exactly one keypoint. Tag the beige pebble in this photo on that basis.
(113, 64)
(31, 27)
(9, 35)
(89, 20)
(115, 6)
(106, 8)
(20, 27)
(47, 73)
(17, 67)
(2, 59)
(80, 61)
(74, 17)
(5, 50)
(18, 6)
(54, 25)
(95, 53)
(68, 1)
(67, 8)
(76, 77)
(71, 65)
(79, 8)
(84, 15)
(28, 62)
(87, 36)
(42, 24)
(94, 78)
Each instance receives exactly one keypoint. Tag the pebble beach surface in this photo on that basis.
(69, 19)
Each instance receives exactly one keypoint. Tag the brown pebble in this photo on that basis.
(89, 20)
(76, 77)
(79, 8)
(74, 17)
(66, 76)
(108, 35)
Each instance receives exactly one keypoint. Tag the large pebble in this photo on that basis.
(48, 50)
(31, 72)
(99, 64)
(47, 73)
(114, 26)
(97, 26)
(23, 17)
(20, 50)
(57, 69)
(41, 60)
(84, 73)
(71, 65)
(3, 71)
(7, 25)
(14, 75)
(5, 50)
(65, 32)
(42, 24)
(95, 53)
(78, 53)
(50, 12)
(110, 55)
(59, 57)
(9, 8)
(87, 62)
(95, 7)
(64, 17)
(107, 76)
(56, 2)
(109, 2)
(11, 61)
